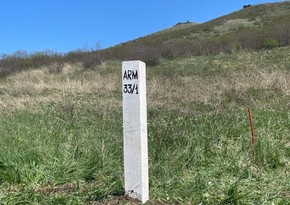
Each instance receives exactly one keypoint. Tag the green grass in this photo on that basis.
(51, 147)
(213, 152)
(68, 149)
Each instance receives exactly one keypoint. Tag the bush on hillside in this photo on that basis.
(21, 60)
(89, 59)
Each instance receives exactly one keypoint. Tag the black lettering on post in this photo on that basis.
(125, 75)
(129, 74)
(125, 90)
(131, 88)
(136, 88)
(135, 74)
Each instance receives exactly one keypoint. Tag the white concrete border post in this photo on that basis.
(135, 130)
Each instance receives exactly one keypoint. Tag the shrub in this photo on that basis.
(90, 60)
(21, 60)
(56, 67)
(150, 55)
(270, 43)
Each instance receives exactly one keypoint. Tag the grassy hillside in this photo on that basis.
(61, 133)
(255, 27)
(61, 116)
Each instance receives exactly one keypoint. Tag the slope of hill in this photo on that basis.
(254, 27)
(61, 117)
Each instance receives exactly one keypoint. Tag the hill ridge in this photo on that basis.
(248, 28)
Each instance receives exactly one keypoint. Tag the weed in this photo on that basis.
(233, 195)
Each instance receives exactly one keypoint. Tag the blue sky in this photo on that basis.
(67, 25)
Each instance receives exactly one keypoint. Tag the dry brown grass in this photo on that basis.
(187, 89)
(102, 86)
(234, 24)
(35, 86)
